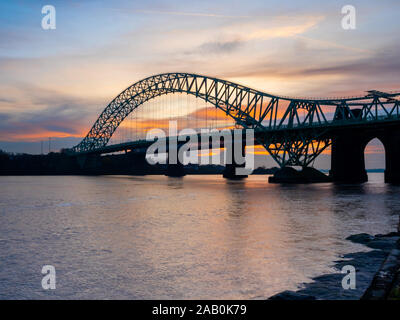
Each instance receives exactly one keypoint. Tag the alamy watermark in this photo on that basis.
(349, 19)
(183, 147)
(49, 280)
(49, 20)
(349, 280)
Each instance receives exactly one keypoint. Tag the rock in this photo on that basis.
(362, 238)
(382, 244)
(389, 235)
(398, 226)
(374, 264)
(314, 175)
(286, 175)
(291, 295)
(306, 175)
(385, 279)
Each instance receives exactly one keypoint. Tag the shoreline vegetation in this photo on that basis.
(59, 163)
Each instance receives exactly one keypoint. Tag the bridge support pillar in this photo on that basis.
(138, 163)
(174, 167)
(230, 171)
(175, 170)
(81, 160)
(392, 147)
(347, 159)
(89, 164)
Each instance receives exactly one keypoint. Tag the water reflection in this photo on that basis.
(236, 198)
(195, 237)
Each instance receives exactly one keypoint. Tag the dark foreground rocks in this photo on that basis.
(386, 282)
(368, 266)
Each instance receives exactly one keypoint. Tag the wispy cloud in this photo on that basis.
(220, 46)
(191, 14)
(236, 35)
(44, 113)
(284, 30)
(330, 44)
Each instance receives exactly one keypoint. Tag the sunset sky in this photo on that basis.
(54, 83)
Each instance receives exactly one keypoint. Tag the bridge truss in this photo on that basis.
(292, 130)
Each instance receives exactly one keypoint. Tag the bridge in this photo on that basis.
(293, 130)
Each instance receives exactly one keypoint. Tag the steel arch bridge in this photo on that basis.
(291, 139)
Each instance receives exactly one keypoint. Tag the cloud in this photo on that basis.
(220, 46)
(330, 44)
(383, 64)
(7, 100)
(283, 30)
(286, 54)
(191, 14)
(235, 35)
(45, 113)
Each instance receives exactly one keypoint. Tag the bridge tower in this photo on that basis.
(175, 167)
(347, 158)
(348, 164)
(392, 146)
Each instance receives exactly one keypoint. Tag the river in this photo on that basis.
(198, 237)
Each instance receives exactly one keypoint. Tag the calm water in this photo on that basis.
(196, 237)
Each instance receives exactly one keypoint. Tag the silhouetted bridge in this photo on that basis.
(294, 131)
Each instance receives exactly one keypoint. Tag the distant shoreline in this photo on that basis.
(368, 170)
(120, 164)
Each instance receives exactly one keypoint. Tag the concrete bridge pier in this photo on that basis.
(392, 148)
(175, 170)
(138, 163)
(230, 172)
(348, 165)
(174, 167)
(89, 164)
(230, 168)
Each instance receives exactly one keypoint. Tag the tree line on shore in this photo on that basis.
(60, 163)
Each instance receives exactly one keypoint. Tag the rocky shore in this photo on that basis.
(386, 282)
(377, 273)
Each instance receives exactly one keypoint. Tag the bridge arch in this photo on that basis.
(227, 96)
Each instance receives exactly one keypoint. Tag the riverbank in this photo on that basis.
(59, 163)
(377, 273)
(386, 282)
